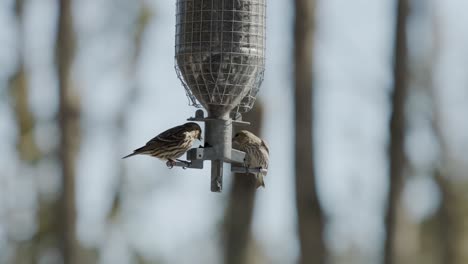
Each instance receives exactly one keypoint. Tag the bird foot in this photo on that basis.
(260, 170)
(253, 170)
(186, 162)
(246, 167)
(170, 164)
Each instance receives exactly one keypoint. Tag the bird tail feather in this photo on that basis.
(260, 181)
(129, 155)
(142, 150)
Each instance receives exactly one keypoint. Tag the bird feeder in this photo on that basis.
(220, 60)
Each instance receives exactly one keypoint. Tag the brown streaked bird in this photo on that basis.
(171, 144)
(256, 152)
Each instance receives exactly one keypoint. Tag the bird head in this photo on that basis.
(243, 137)
(194, 128)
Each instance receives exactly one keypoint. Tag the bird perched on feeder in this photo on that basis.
(256, 153)
(171, 144)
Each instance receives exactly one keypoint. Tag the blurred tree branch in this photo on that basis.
(141, 23)
(143, 19)
(397, 129)
(69, 123)
(239, 212)
(309, 212)
(26, 145)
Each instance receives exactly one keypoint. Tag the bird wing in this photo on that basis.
(175, 134)
(265, 145)
(172, 135)
(170, 138)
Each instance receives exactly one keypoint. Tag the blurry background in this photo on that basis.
(84, 83)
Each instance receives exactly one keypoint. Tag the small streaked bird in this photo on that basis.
(256, 152)
(171, 144)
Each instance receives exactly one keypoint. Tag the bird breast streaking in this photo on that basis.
(256, 152)
(171, 144)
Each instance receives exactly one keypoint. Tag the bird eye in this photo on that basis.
(237, 135)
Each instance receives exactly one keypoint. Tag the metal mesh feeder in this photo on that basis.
(220, 59)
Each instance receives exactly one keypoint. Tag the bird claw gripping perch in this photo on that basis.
(255, 170)
(247, 170)
(178, 163)
(170, 164)
(186, 163)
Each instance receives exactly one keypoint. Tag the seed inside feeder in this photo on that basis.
(220, 48)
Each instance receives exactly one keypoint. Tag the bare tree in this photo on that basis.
(310, 215)
(397, 129)
(239, 212)
(69, 115)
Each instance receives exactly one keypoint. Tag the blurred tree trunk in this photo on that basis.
(397, 130)
(26, 145)
(445, 217)
(446, 222)
(239, 212)
(309, 211)
(46, 236)
(69, 115)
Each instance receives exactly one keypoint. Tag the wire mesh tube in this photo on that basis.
(220, 60)
(220, 48)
